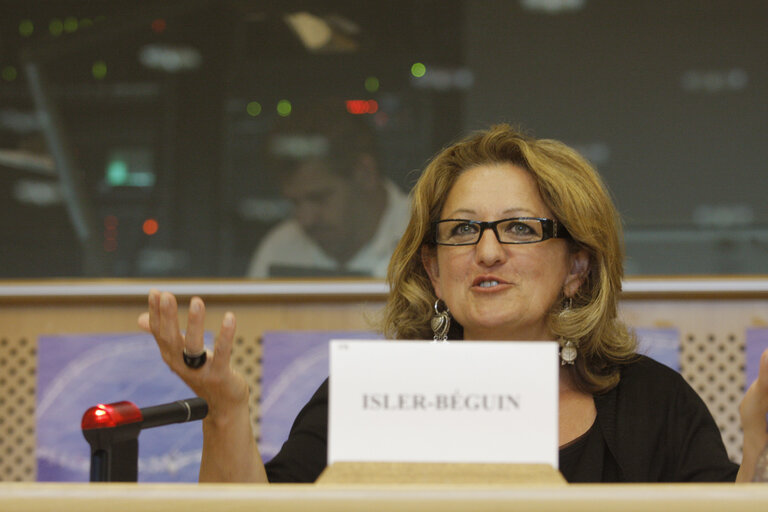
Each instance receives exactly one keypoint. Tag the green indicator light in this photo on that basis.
(99, 69)
(371, 84)
(418, 69)
(9, 73)
(284, 108)
(254, 108)
(56, 26)
(70, 24)
(117, 173)
(26, 27)
(86, 22)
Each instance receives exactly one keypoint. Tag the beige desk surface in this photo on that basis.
(83, 497)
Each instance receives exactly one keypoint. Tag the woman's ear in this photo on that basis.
(577, 273)
(429, 261)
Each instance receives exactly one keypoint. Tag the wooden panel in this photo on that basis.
(17, 408)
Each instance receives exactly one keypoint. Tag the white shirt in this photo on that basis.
(287, 244)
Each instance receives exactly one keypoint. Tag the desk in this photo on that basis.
(81, 497)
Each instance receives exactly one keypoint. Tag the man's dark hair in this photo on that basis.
(324, 132)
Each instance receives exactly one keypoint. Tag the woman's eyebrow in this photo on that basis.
(511, 212)
(460, 211)
(519, 211)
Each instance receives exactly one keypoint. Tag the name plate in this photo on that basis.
(418, 401)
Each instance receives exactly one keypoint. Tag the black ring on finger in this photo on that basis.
(195, 361)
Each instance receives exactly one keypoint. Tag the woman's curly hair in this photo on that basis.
(576, 195)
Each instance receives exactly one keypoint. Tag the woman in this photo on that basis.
(518, 239)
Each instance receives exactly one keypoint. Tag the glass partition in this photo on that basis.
(270, 139)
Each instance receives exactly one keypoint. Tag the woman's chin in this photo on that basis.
(504, 331)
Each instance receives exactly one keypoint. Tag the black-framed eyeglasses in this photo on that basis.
(515, 230)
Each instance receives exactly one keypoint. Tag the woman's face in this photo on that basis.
(501, 291)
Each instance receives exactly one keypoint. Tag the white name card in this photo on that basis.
(419, 401)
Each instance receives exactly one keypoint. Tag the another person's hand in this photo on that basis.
(224, 389)
(753, 411)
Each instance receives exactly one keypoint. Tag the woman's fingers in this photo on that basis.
(763, 372)
(162, 321)
(223, 388)
(153, 304)
(223, 344)
(144, 322)
(194, 336)
(762, 385)
(754, 405)
(168, 329)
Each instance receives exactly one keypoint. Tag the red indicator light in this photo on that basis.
(150, 227)
(358, 107)
(158, 26)
(111, 415)
(110, 222)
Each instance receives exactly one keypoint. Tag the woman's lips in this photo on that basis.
(488, 282)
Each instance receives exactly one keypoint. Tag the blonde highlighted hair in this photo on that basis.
(576, 195)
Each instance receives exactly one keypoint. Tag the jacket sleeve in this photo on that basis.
(664, 431)
(699, 452)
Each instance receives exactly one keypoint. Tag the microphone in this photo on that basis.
(113, 429)
(120, 414)
(180, 411)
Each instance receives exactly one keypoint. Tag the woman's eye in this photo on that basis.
(518, 228)
(464, 228)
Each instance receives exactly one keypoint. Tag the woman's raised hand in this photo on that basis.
(229, 448)
(224, 389)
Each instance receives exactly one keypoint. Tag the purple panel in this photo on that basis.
(295, 363)
(76, 372)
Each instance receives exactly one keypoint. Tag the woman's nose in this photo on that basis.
(489, 251)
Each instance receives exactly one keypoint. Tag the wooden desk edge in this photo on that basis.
(198, 497)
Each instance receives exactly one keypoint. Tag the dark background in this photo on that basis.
(668, 98)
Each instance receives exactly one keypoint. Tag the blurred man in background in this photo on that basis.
(347, 217)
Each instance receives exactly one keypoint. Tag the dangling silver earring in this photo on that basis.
(440, 323)
(569, 349)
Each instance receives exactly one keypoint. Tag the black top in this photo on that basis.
(652, 427)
